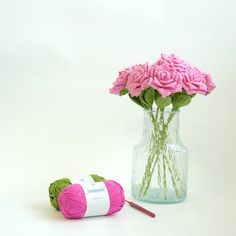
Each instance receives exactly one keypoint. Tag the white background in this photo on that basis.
(58, 59)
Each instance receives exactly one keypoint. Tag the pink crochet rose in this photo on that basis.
(121, 81)
(165, 81)
(194, 82)
(168, 75)
(138, 79)
(173, 63)
(209, 84)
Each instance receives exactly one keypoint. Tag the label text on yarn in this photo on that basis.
(97, 198)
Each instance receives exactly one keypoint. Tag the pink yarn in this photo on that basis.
(116, 194)
(73, 203)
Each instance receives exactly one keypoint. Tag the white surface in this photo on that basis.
(57, 60)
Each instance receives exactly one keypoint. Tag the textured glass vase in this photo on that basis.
(160, 161)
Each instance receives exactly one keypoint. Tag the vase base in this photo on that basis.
(159, 197)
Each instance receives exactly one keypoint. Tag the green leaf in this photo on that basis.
(123, 92)
(149, 96)
(163, 102)
(143, 100)
(193, 95)
(180, 100)
(136, 100)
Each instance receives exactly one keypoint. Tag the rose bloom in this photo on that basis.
(138, 79)
(194, 82)
(173, 63)
(165, 81)
(209, 83)
(121, 81)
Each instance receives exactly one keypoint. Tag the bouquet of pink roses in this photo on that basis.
(169, 83)
(170, 80)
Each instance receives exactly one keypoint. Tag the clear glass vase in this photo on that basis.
(160, 162)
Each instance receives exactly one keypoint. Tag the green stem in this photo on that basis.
(149, 171)
(174, 181)
(152, 145)
(164, 177)
(160, 135)
(159, 173)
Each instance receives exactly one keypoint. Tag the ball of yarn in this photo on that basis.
(73, 205)
(97, 178)
(54, 190)
(57, 186)
(116, 194)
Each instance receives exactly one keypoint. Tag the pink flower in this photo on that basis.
(164, 80)
(121, 81)
(173, 63)
(168, 75)
(194, 82)
(138, 79)
(209, 84)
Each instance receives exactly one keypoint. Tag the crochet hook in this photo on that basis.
(142, 209)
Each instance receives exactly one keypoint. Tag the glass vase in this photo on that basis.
(160, 161)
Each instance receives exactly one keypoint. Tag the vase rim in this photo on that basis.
(165, 111)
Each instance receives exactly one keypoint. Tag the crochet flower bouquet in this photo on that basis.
(161, 89)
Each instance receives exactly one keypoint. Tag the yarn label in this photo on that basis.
(97, 198)
(83, 179)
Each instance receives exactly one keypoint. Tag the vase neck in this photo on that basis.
(162, 122)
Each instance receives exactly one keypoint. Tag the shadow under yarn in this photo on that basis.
(47, 213)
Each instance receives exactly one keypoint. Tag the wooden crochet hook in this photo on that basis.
(142, 209)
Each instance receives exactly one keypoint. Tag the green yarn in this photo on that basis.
(54, 190)
(57, 186)
(97, 178)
